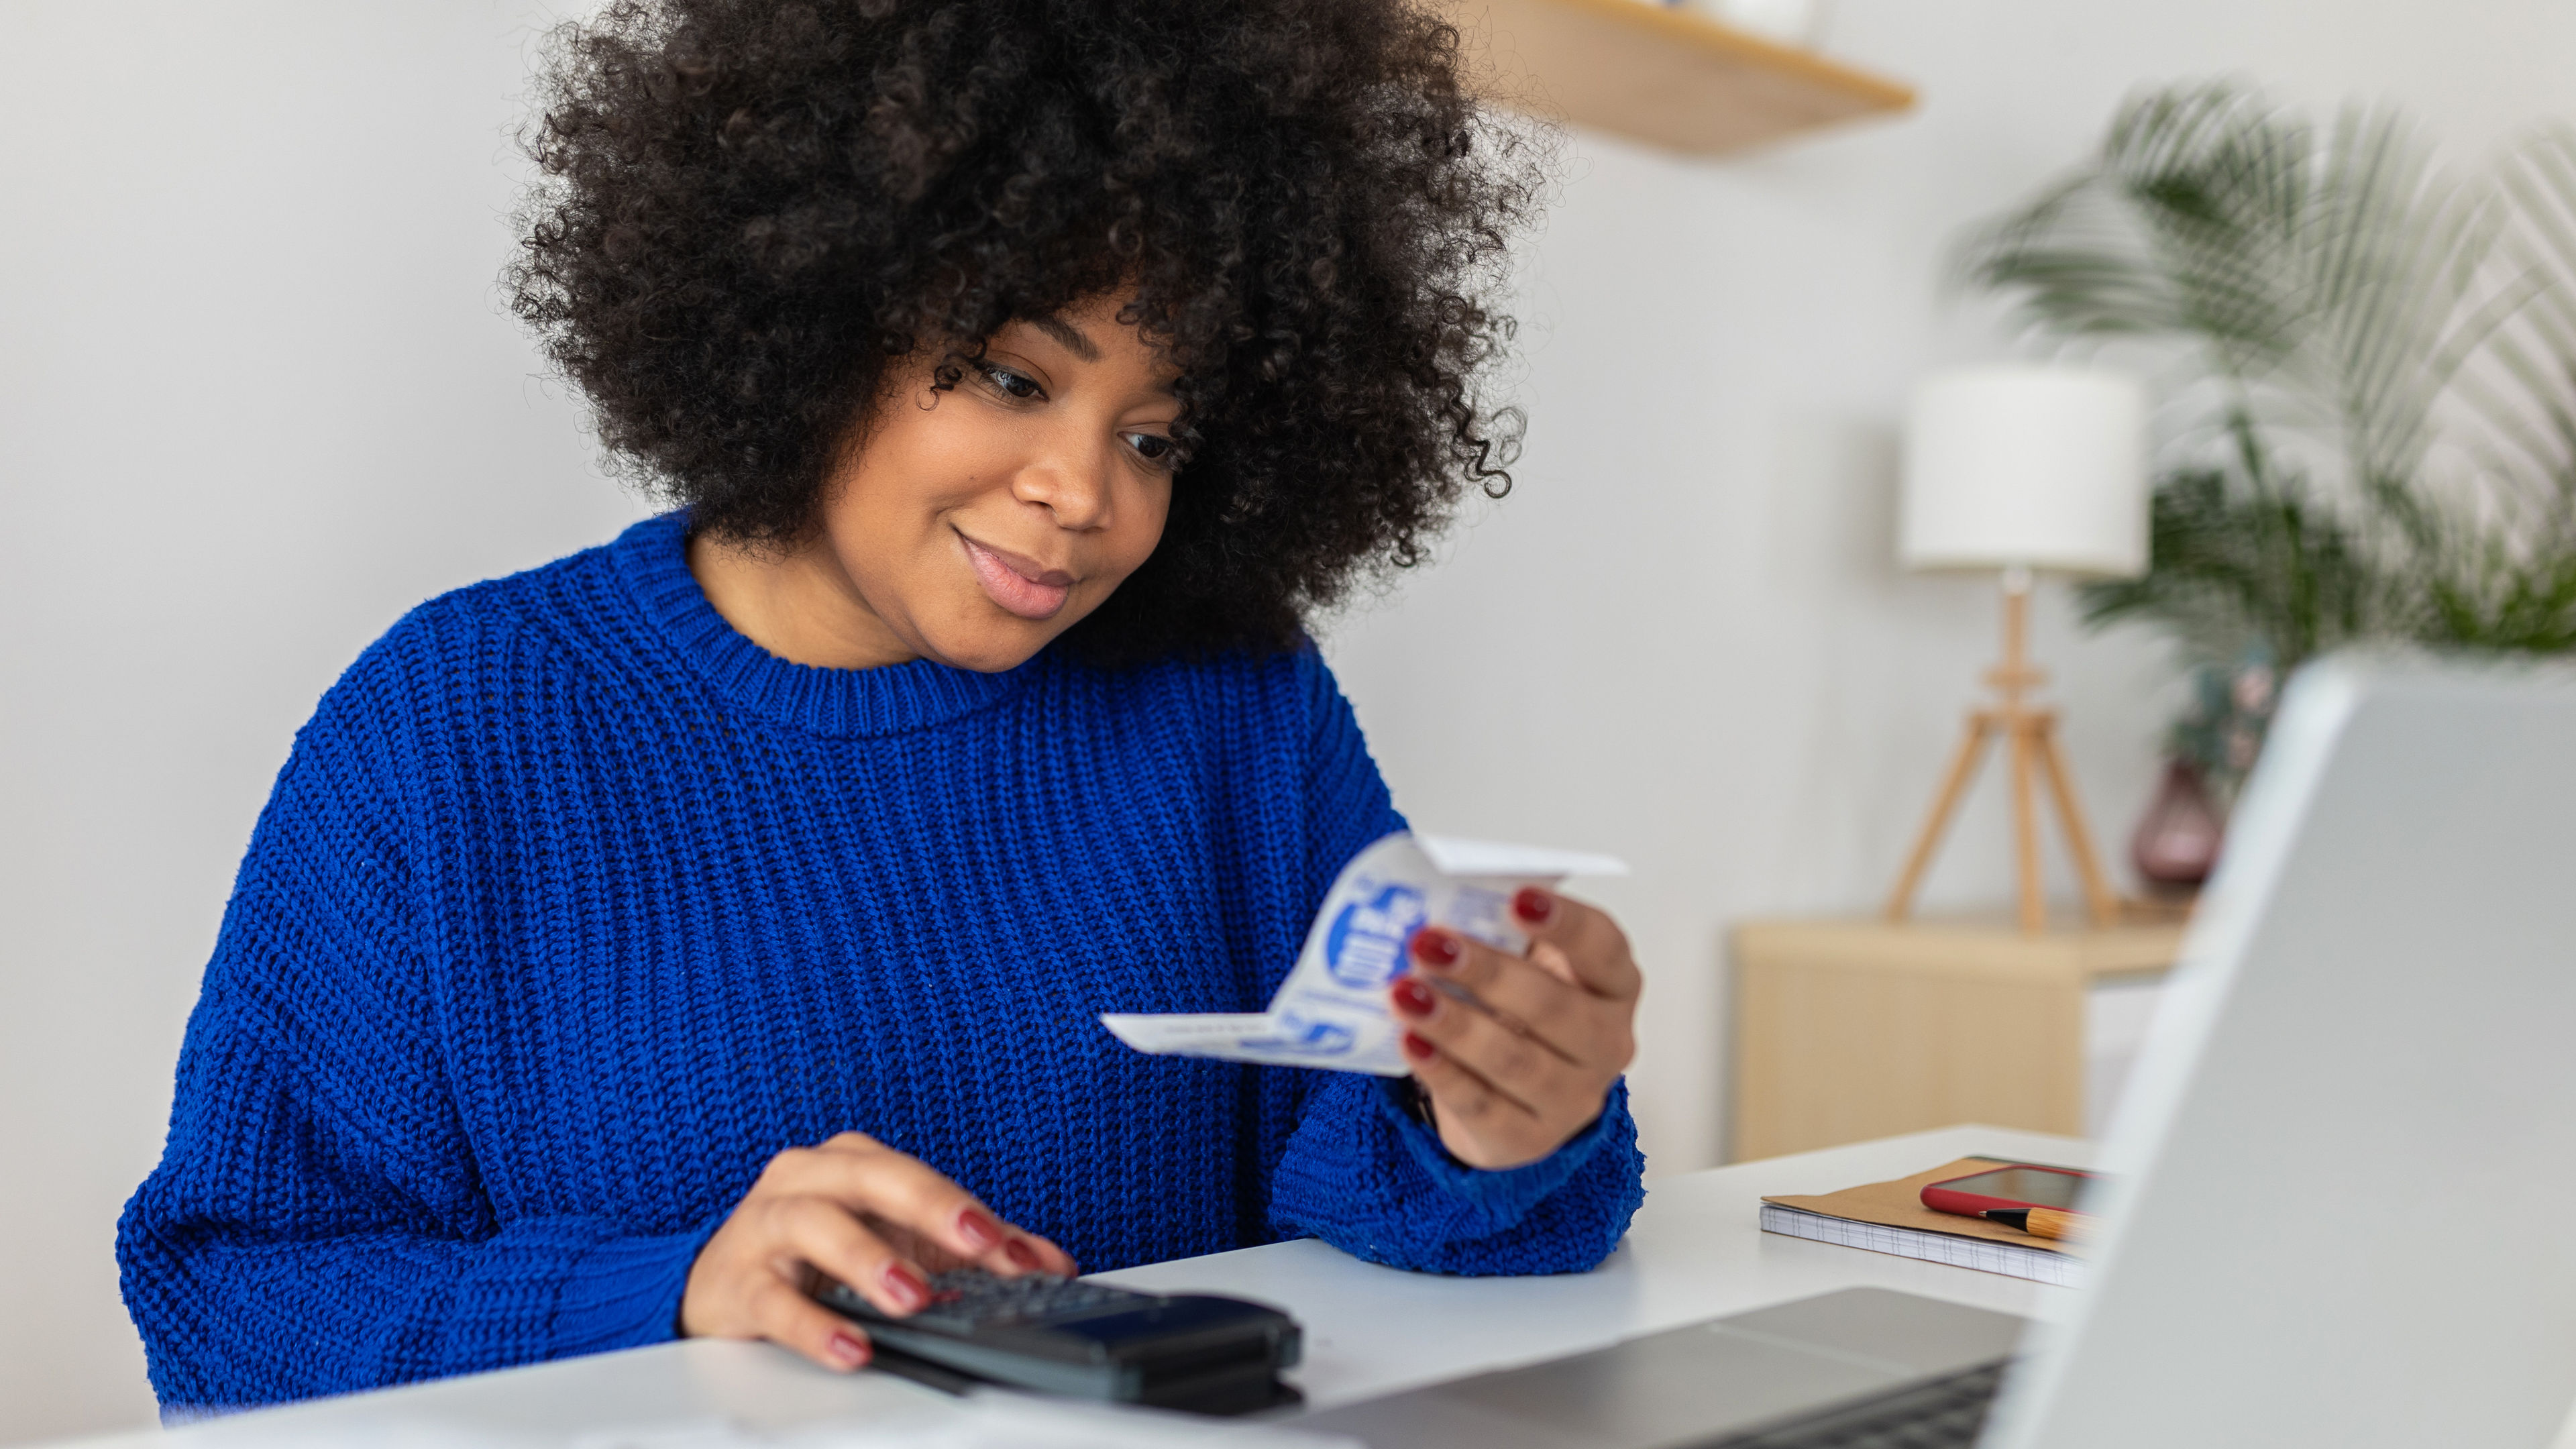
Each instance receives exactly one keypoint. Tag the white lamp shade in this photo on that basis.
(2028, 467)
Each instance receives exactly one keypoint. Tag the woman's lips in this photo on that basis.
(1018, 583)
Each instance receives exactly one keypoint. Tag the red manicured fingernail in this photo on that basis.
(1416, 1048)
(1022, 1256)
(1435, 947)
(1412, 997)
(980, 1232)
(1533, 905)
(909, 1291)
(847, 1350)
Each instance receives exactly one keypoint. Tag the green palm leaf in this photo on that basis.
(2378, 435)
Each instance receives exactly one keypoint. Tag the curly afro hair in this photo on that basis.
(754, 208)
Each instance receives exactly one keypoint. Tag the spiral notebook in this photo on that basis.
(1889, 1217)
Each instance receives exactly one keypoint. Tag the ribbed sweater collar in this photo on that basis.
(652, 563)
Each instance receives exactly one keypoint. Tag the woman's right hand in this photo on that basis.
(858, 1211)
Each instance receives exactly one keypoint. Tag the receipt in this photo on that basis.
(1332, 1011)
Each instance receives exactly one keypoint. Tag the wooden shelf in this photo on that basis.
(1665, 77)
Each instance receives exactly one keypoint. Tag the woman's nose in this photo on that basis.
(1073, 487)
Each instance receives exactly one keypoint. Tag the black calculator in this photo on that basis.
(1055, 1335)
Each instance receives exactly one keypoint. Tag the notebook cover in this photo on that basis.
(1899, 1204)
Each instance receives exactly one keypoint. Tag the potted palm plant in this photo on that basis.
(2369, 365)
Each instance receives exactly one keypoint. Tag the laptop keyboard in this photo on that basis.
(1943, 1414)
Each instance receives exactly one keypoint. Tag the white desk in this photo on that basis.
(1696, 1251)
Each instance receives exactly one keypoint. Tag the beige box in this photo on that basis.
(1849, 1030)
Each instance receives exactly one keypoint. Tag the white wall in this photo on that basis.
(257, 396)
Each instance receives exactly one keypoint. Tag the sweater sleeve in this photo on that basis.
(1360, 1171)
(316, 1223)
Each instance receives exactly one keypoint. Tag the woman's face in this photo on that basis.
(974, 525)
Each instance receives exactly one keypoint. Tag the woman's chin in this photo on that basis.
(993, 648)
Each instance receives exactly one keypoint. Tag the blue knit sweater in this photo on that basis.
(572, 906)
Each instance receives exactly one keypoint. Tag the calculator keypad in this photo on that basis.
(970, 1298)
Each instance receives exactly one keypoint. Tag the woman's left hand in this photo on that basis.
(1526, 1060)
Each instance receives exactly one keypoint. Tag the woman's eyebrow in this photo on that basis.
(1067, 334)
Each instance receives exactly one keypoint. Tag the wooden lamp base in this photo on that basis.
(2029, 736)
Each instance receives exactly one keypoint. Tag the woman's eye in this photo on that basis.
(1156, 449)
(1009, 383)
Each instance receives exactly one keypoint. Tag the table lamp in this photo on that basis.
(2021, 470)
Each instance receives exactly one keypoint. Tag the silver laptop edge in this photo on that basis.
(2341, 1174)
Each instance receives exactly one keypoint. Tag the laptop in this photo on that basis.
(2340, 1196)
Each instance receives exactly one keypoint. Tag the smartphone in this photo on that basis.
(2018, 1186)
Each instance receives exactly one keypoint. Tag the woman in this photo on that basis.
(628, 942)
